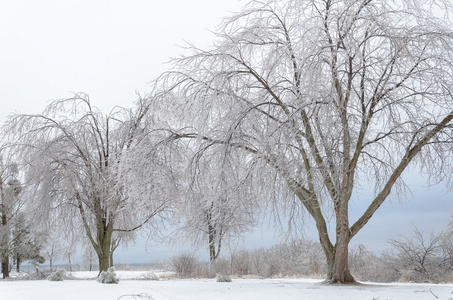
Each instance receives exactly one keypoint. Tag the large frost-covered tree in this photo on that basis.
(322, 96)
(73, 155)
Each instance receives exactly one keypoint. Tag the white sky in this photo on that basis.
(107, 49)
(111, 49)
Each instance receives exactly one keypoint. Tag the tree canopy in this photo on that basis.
(73, 158)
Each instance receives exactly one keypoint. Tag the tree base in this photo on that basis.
(332, 281)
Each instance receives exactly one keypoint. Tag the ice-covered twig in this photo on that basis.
(138, 296)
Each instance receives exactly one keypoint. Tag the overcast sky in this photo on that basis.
(113, 49)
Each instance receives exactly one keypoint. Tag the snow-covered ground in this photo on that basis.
(84, 288)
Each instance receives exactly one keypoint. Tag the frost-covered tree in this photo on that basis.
(318, 97)
(73, 155)
(25, 244)
(10, 205)
(212, 208)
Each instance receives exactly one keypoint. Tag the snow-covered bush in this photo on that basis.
(108, 277)
(57, 276)
(223, 278)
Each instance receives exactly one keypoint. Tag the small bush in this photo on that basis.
(223, 278)
(57, 276)
(108, 277)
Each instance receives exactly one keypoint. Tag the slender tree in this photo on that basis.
(73, 155)
(25, 245)
(10, 205)
(211, 206)
(319, 96)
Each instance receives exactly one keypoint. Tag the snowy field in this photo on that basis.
(85, 287)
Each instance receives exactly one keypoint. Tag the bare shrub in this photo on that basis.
(187, 265)
(428, 259)
(240, 263)
(148, 276)
(295, 258)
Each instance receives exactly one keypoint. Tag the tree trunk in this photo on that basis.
(111, 258)
(337, 257)
(5, 266)
(338, 265)
(212, 252)
(339, 268)
(4, 255)
(103, 262)
(18, 265)
(212, 232)
(104, 242)
(69, 261)
(104, 255)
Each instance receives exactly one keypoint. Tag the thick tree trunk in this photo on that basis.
(339, 269)
(337, 264)
(5, 266)
(103, 262)
(104, 255)
(105, 232)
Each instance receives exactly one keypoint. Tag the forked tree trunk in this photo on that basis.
(337, 260)
(339, 268)
(214, 250)
(337, 256)
(102, 241)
